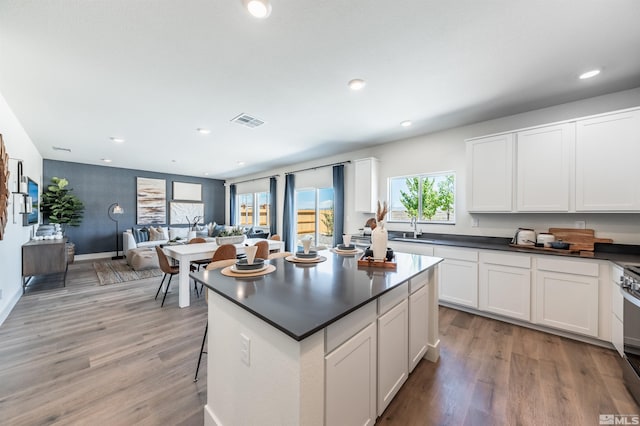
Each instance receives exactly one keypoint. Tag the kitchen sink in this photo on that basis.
(411, 240)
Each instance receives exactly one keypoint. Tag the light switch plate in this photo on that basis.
(245, 349)
(580, 224)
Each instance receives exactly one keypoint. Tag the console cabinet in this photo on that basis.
(44, 257)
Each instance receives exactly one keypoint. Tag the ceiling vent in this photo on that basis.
(59, 148)
(247, 120)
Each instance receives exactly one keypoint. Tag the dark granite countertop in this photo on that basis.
(620, 254)
(300, 299)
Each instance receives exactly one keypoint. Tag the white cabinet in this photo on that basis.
(607, 152)
(414, 248)
(505, 285)
(567, 295)
(393, 346)
(366, 185)
(418, 326)
(490, 174)
(544, 158)
(458, 276)
(351, 380)
(617, 303)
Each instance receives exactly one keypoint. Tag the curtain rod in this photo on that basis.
(319, 167)
(250, 180)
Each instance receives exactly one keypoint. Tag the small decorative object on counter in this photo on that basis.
(379, 235)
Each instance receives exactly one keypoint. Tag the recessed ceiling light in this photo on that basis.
(206, 173)
(173, 161)
(203, 131)
(106, 160)
(406, 123)
(357, 84)
(240, 163)
(116, 140)
(589, 74)
(258, 8)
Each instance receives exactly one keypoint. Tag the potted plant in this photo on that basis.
(234, 235)
(61, 207)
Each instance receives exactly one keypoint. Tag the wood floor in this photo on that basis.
(109, 355)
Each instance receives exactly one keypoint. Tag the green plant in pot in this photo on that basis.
(60, 206)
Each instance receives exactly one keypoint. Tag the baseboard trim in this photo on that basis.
(210, 419)
(542, 328)
(433, 352)
(12, 303)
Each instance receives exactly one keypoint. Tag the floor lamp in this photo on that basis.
(116, 209)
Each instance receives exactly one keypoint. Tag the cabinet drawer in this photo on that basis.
(343, 329)
(392, 298)
(517, 261)
(456, 253)
(420, 280)
(568, 266)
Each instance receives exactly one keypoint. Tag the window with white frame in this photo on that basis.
(254, 209)
(429, 198)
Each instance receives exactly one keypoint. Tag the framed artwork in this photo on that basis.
(185, 213)
(151, 201)
(183, 191)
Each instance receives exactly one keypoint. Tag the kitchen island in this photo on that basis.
(313, 344)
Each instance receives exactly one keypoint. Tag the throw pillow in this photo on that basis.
(217, 230)
(140, 235)
(155, 234)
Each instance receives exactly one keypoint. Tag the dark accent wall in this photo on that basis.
(99, 186)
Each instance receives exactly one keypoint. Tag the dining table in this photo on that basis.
(186, 253)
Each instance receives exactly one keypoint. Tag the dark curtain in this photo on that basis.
(338, 203)
(233, 206)
(273, 208)
(288, 216)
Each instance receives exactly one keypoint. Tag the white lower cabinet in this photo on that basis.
(458, 276)
(351, 380)
(393, 345)
(418, 326)
(567, 295)
(505, 285)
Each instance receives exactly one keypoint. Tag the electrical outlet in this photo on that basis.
(475, 222)
(580, 224)
(245, 349)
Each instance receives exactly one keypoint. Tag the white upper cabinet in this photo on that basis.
(366, 185)
(607, 152)
(490, 174)
(544, 159)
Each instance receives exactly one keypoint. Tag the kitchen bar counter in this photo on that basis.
(317, 344)
(620, 254)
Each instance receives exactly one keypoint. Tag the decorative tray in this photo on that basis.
(378, 263)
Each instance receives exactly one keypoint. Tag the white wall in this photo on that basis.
(19, 146)
(444, 151)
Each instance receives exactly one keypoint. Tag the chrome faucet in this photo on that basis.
(414, 223)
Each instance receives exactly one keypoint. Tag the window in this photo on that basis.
(314, 215)
(250, 216)
(428, 197)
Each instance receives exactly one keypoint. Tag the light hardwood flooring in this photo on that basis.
(109, 355)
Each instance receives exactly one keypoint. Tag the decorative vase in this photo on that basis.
(379, 239)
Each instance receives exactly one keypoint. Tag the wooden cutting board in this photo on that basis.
(580, 239)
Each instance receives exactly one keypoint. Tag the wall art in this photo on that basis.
(184, 213)
(183, 191)
(151, 201)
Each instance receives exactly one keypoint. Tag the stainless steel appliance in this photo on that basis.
(630, 288)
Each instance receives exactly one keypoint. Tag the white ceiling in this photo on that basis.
(78, 72)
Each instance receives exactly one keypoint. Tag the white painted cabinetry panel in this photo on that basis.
(607, 152)
(617, 304)
(393, 355)
(366, 185)
(505, 290)
(543, 163)
(567, 301)
(351, 381)
(458, 279)
(490, 174)
(418, 326)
